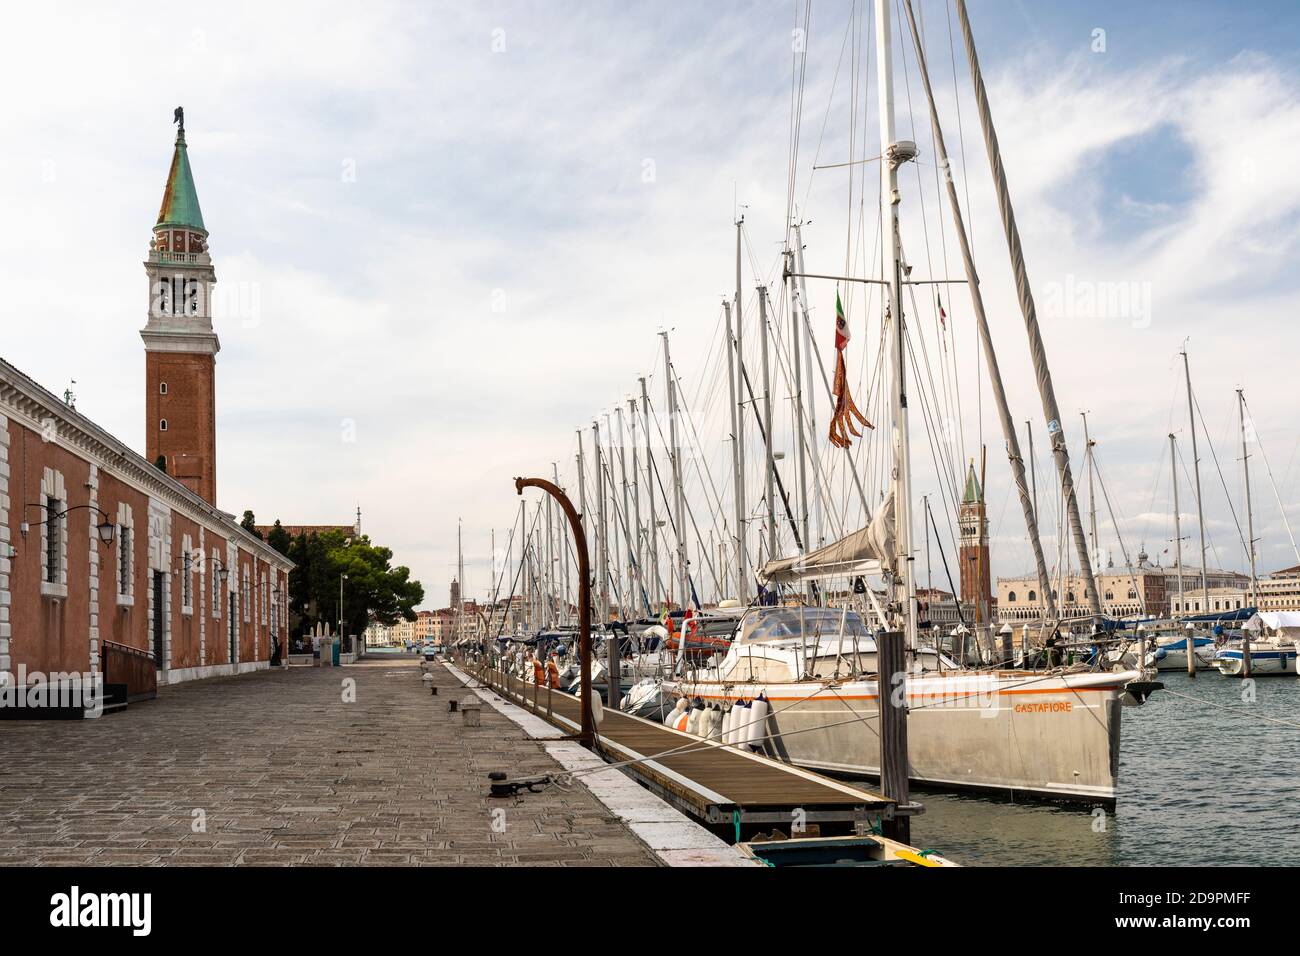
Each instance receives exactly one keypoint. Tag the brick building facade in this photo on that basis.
(158, 584)
(98, 544)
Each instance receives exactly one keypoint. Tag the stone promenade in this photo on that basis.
(275, 768)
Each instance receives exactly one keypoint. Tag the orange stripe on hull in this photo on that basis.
(956, 694)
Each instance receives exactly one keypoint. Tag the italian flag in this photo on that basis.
(841, 324)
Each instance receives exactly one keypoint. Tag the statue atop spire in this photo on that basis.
(178, 118)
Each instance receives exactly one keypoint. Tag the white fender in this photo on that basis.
(758, 712)
(693, 720)
(740, 725)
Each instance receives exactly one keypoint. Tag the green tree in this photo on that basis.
(373, 588)
(279, 539)
(249, 523)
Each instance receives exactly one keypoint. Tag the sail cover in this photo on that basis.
(868, 550)
(1284, 622)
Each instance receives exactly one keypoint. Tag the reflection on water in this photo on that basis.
(1198, 787)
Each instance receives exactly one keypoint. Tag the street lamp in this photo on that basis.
(342, 578)
(105, 528)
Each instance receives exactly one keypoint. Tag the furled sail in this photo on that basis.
(869, 550)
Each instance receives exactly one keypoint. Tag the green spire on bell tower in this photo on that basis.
(180, 204)
(974, 493)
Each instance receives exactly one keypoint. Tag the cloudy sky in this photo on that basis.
(448, 234)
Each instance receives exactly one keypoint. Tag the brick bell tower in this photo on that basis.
(180, 345)
(975, 577)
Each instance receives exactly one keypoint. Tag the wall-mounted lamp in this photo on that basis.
(105, 528)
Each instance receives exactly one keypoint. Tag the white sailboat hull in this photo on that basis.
(1270, 660)
(1055, 736)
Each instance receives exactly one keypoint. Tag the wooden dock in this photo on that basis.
(719, 785)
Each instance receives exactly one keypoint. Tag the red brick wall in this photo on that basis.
(48, 634)
(189, 443)
(124, 624)
(185, 627)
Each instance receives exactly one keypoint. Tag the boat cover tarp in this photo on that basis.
(1284, 622)
(1221, 617)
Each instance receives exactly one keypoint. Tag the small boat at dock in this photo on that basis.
(1270, 640)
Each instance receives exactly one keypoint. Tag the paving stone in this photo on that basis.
(285, 773)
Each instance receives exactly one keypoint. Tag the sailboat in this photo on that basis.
(1270, 647)
(799, 682)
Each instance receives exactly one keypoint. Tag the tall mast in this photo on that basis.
(637, 549)
(615, 531)
(1037, 351)
(770, 470)
(652, 531)
(679, 506)
(1090, 466)
(1196, 472)
(563, 611)
(1178, 523)
(1033, 468)
(548, 571)
(523, 531)
(1250, 516)
(802, 289)
(801, 451)
(742, 512)
(1028, 506)
(460, 582)
(737, 475)
(582, 490)
(602, 556)
(895, 154)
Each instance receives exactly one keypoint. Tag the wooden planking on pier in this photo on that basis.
(714, 782)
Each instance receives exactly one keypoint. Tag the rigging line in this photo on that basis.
(621, 518)
(961, 127)
(1241, 535)
(821, 368)
(1123, 548)
(852, 162)
(1155, 490)
(776, 473)
(813, 459)
(720, 513)
(947, 460)
(1269, 470)
(796, 118)
(518, 571)
(929, 418)
(690, 512)
(830, 101)
(1209, 537)
(1238, 711)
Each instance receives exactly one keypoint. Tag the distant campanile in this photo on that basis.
(975, 577)
(180, 344)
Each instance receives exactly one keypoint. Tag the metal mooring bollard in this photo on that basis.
(469, 708)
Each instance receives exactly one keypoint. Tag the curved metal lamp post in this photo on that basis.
(587, 735)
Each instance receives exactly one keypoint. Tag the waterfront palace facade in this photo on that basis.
(1148, 590)
(102, 546)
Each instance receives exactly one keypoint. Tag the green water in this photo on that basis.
(1198, 787)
